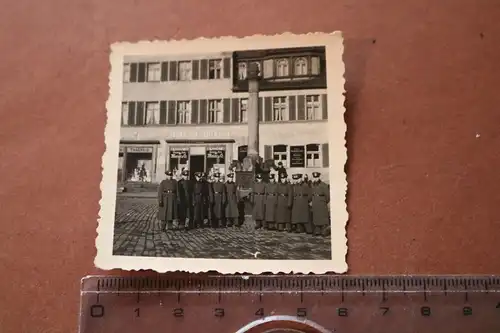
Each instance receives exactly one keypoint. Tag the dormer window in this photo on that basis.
(300, 66)
(282, 68)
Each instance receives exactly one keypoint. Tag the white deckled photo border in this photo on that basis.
(333, 43)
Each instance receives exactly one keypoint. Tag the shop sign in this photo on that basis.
(179, 152)
(297, 157)
(216, 152)
(139, 149)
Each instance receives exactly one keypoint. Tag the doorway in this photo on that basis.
(196, 164)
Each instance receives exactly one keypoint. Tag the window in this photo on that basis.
(242, 70)
(214, 111)
(215, 69)
(313, 107)
(243, 110)
(282, 67)
(152, 113)
(312, 156)
(125, 113)
(154, 72)
(126, 72)
(301, 66)
(279, 108)
(184, 70)
(280, 154)
(184, 112)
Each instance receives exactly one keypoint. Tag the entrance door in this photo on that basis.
(196, 164)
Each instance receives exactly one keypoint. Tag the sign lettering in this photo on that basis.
(139, 149)
(218, 153)
(297, 157)
(179, 152)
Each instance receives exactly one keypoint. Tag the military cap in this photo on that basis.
(217, 175)
(280, 164)
(168, 173)
(295, 176)
(271, 176)
(283, 175)
(258, 176)
(230, 175)
(316, 174)
(198, 174)
(185, 173)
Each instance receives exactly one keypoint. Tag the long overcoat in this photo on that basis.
(199, 200)
(185, 194)
(300, 205)
(271, 201)
(284, 203)
(167, 200)
(218, 199)
(232, 200)
(258, 200)
(320, 201)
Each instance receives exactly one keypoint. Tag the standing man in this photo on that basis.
(185, 189)
(271, 201)
(258, 200)
(207, 183)
(284, 203)
(232, 199)
(300, 205)
(280, 171)
(218, 201)
(320, 201)
(167, 202)
(199, 200)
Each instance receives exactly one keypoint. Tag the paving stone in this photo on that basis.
(137, 233)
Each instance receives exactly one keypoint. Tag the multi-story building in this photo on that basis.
(191, 111)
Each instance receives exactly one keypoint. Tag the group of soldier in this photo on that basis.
(297, 205)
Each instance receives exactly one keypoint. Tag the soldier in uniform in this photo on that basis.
(300, 205)
(320, 201)
(231, 209)
(258, 201)
(306, 179)
(185, 189)
(167, 201)
(280, 171)
(207, 181)
(271, 201)
(284, 203)
(218, 201)
(199, 200)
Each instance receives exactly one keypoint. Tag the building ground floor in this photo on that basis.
(301, 148)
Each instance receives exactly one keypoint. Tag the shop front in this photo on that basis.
(136, 163)
(198, 157)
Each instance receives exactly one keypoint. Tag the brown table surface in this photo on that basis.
(423, 90)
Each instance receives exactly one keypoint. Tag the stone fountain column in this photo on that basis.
(253, 115)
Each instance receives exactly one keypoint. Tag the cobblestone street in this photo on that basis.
(137, 234)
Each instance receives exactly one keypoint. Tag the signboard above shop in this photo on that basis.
(179, 152)
(297, 157)
(216, 152)
(139, 149)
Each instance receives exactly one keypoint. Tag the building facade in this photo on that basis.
(190, 112)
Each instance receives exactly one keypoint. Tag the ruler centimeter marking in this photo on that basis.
(409, 297)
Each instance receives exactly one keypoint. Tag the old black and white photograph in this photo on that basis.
(225, 154)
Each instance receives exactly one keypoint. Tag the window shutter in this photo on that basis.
(131, 113)
(171, 113)
(140, 114)
(301, 111)
(172, 75)
(226, 67)
(164, 71)
(194, 111)
(292, 108)
(226, 111)
(268, 68)
(268, 109)
(203, 111)
(259, 108)
(141, 76)
(196, 69)
(268, 153)
(204, 69)
(163, 112)
(325, 153)
(235, 110)
(324, 106)
(133, 72)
